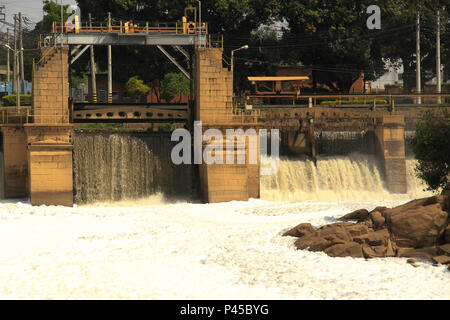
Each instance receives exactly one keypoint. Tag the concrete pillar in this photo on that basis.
(390, 141)
(15, 165)
(50, 172)
(49, 145)
(214, 107)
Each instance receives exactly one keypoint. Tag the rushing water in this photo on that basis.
(352, 177)
(127, 166)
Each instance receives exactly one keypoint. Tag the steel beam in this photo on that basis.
(174, 61)
(130, 39)
(184, 52)
(79, 54)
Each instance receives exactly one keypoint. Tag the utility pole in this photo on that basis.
(418, 82)
(62, 64)
(109, 64)
(8, 67)
(93, 80)
(22, 73)
(14, 89)
(438, 56)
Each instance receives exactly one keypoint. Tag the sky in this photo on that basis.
(32, 9)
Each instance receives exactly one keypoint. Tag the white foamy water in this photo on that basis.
(152, 249)
(193, 251)
(353, 177)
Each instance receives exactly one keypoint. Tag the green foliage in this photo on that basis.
(431, 147)
(102, 126)
(174, 84)
(137, 88)
(354, 102)
(167, 127)
(11, 100)
(52, 13)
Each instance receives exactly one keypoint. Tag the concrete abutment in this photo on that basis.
(390, 142)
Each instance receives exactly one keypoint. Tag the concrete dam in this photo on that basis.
(125, 166)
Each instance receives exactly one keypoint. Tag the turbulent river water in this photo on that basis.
(109, 246)
(117, 167)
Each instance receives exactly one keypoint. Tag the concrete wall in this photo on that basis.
(49, 153)
(390, 141)
(213, 92)
(50, 81)
(15, 166)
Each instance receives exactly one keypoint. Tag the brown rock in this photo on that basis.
(312, 242)
(390, 250)
(447, 234)
(412, 261)
(444, 249)
(379, 209)
(374, 251)
(357, 229)
(300, 230)
(376, 238)
(423, 253)
(418, 223)
(325, 237)
(442, 259)
(348, 249)
(361, 214)
(368, 223)
(377, 219)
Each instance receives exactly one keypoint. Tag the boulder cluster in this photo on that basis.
(417, 229)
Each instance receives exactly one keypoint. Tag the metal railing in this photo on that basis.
(336, 100)
(26, 115)
(15, 115)
(127, 28)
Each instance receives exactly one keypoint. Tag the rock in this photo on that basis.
(379, 209)
(368, 223)
(442, 259)
(357, 229)
(423, 253)
(447, 234)
(312, 242)
(412, 261)
(360, 215)
(444, 249)
(374, 251)
(325, 237)
(376, 238)
(418, 223)
(347, 249)
(377, 219)
(300, 230)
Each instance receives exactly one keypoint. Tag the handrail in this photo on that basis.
(146, 28)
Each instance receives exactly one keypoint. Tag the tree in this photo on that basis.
(431, 147)
(137, 88)
(52, 13)
(174, 84)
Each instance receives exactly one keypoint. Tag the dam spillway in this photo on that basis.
(125, 166)
(116, 166)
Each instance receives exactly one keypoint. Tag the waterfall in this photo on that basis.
(126, 166)
(335, 178)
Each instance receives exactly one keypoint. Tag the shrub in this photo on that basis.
(11, 100)
(431, 148)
